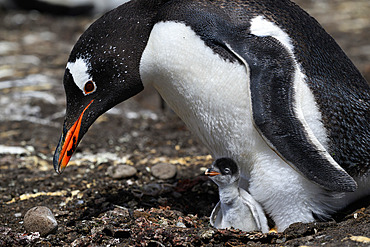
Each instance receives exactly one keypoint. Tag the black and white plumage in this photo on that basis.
(236, 207)
(260, 82)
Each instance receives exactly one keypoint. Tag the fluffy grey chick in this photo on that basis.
(236, 207)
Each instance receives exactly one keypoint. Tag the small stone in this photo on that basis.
(17, 215)
(180, 224)
(121, 171)
(164, 171)
(40, 219)
(207, 234)
(176, 194)
(280, 241)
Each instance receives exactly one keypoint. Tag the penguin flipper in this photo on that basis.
(256, 211)
(272, 71)
(216, 215)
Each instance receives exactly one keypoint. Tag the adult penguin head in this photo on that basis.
(103, 70)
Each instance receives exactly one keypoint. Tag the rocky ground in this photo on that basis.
(94, 207)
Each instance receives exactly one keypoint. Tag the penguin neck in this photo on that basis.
(229, 193)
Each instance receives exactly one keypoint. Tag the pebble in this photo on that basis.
(164, 171)
(40, 219)
(207, 234)
(180, 224)
(121, 171)
(280, 241)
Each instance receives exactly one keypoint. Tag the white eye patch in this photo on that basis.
(81, 77)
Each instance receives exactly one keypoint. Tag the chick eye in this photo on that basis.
(89, 87)
(227, 171)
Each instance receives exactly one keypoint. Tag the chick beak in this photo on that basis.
(211, 173)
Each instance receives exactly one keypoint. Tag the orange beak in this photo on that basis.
(68, 144)
(211, 173)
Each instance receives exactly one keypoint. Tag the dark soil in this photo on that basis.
(91, 208)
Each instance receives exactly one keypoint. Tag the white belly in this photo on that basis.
(210, 94)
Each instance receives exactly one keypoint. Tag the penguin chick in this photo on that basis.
(236, 207)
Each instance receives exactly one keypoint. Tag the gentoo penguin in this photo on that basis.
(260, 82)
(236, 207)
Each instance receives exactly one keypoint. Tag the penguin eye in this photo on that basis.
(227, 171)
(89, 87)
